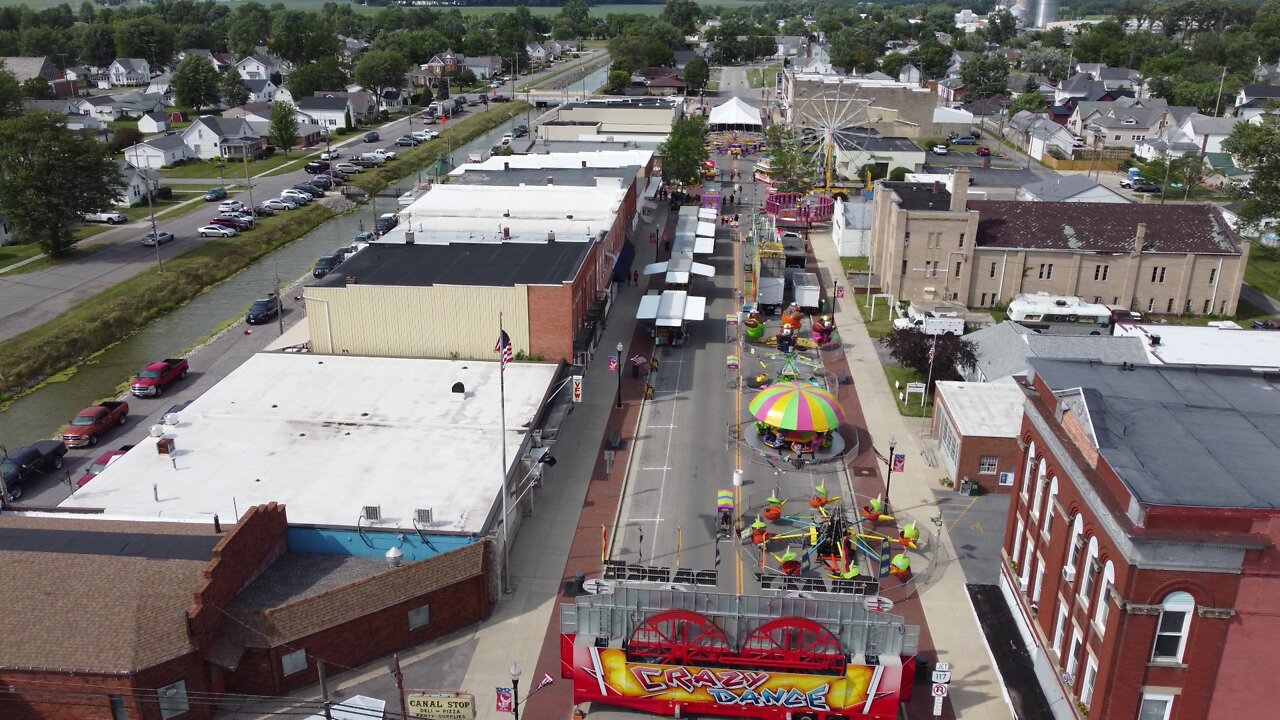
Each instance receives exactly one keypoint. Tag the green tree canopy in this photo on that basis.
(984, 75)
(381, 69)
(1030, 101)
(1257, 147)
(52, 178)
(196, 84)
(11, 96)
(147, 37)
(302, 37)
(696, 74)
(309, 79)
(684, 151)
(283, 129)
(794, 167)
(97, 45)
(683, 15)
(235, 91)
(911, 348)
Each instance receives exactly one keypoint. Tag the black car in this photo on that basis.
(520, 131)
(371, 137)
(324, 265)
(1144, 187)
(315, 167)
(309, 189)
(500, 98)
(324, 182)
(263, 310)
(342, 253)
(263, 211)
(26, 463)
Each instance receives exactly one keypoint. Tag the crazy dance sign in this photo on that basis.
(604, 675)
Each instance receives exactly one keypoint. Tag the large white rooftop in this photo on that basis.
(326, 436)
(1223, 344)
(555, 160)
(984, 409)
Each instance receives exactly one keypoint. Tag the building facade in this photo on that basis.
(930, 243)
(1138, 553)
(977, 425)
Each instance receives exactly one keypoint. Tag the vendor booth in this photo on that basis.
(669, 312)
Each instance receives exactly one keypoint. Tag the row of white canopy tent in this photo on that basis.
(672, 308)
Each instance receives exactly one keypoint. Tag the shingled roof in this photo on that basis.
(1103, 227)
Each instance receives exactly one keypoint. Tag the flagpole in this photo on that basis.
(502, 400)
(923, 396)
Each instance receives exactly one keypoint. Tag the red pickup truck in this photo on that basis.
(91, 422)
(157, 376)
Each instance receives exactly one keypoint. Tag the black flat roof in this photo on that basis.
(485, 264)
(921, 196)
(115, 544)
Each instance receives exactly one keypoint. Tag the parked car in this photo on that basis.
(297, 196)
(153, 239)
(316, 167)
(1142, 186)
(217, 231)
(385, 222)
(371, 136)
(331, 154)
(309, 189)
(244, 217)
(500, 98)
(24, 464)
(343, 253)
(110, 218)
(984, 151)
(346, 167)
(231, 206)
(154, 378)
(939, 149)
(507, 138)
(233, 223)
(385, 153)
(407, 141)
(476, 102)
(215, 194)
(495, 84)
(261, 210)
(279, 205)
(965, 140)
(263, 310)
(521, 130)
(324, 265)
(90, 423)
(364, 237)
(101, 463)
(324, 182)
(338, 177)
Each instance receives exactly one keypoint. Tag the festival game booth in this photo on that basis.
(669, 312)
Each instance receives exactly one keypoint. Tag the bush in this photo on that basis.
(898, 174)
(383, 116)
(164, 193)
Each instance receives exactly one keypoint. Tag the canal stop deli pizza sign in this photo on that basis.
(442, 706)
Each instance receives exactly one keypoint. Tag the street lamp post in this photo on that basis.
(888, 476)
(618, 402)
(515, 691)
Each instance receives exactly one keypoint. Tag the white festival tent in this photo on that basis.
(735, 114)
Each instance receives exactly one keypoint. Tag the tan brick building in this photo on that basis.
(930, 244)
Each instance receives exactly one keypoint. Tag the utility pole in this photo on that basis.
(279, 299)
(324, 689)
(151, 209)
(399, 675)
(249, 182)
(1217, 103)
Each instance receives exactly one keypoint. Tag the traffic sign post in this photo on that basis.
(942, 676)
(937, 706)
(939, 690)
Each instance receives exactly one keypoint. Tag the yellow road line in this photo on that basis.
(737, 413)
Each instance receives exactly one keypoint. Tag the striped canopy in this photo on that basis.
(797, 406)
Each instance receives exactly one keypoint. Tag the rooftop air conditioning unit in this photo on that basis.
(422, 516)
(372, 513)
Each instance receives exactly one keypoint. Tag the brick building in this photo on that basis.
(929, 242)
(156, 620)
(977, 426)
(1140, 550)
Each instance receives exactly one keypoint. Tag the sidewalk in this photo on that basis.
(976, 690)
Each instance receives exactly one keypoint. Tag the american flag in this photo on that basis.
(503, 346)
(546, 680)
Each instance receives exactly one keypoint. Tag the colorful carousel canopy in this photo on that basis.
(797, 406)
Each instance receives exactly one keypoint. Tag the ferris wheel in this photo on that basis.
(831, 125)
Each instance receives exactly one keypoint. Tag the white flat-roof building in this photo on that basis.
(560, 160)
(977, 426)
(328, 436)
(1222, 343)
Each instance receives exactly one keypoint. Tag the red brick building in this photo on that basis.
(977, 427)
(155, 620)
(1140, 552)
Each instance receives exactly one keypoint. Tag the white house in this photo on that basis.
(262, 90)
(157, 152)
(329, 113)
(1253, 99)
(152, 123)
(160, 85)
(910, 74)
(138, 183)
(259, 66)
(129, 71)
(483, 66)
(537, 53)
(1207, 132)
(1069, 188)
(391, 100)
(208, 138)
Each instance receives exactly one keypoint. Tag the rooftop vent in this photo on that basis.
(372, 513)
(408, 237)
(551, 236)
(422, 516)
(459, 388)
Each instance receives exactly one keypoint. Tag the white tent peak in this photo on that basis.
(734, 112)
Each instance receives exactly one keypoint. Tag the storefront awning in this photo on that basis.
(672, 308)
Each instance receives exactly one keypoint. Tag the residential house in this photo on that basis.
(1046, 138)
(157, 152)
(987, 107)
(1124, 122)
(26, 68)
(250, 111)
(910, 74)
(221, 61)
(1003, 349)
(262, 90)
(309, 134)
(161, 85)
(1069, 188)
(261, 66)
(537, 54)
(957, 59)
(129, 71)
(363, 103)
(1199, 134)
(80, 74)
(682, 57)
(931, 243)
(789, 45)
(950, 90)
(816, 60)
(152, 123)
(443, 64)
(130, 105)
(328, 111)
(483, 67)
(351, 47)
(210, 138)
(390, 99)
(663, 81)
(566, 47)
(1253, 100)
(139, 183)
(1093, 79)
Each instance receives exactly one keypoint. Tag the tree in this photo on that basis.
(97, 45)
(1048, 61)
(575, 18)
(911, 348)
(1001, 27)
(1030, 101)
(195, 83)
(892, 64)
(37, 88)
(684, 151)
(10, 94)
(616, 81)
(52, 178)
(1257, 147)
(146, 37)
(283, 130)
(305, 81)
(793, 166)
(1180, 173)
(984, 75)
(381, 69)
(125, 137)
(235, 91)
(855, 48)
(682, 14)
(302, 37)
(696, 74)
(932, 58)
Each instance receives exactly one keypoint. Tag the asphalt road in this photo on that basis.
(32, 298)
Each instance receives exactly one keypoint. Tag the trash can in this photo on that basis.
(635, 371)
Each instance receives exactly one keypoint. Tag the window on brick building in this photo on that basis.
(1060, 627)
(118, 710)
(1073, 655)
(1026, 474)
(1090, 676)
(419, 617)
(1155, 707)
(1169, 308)
(1088, 569)
(294, 662)
(172, 699)
(988, 464)
(1074, 547)
(1213, 275)
(993, 270)
(1104, 601)
(1208, 306)
(1048, 506)
(1171, 630)
(1041, 481)
(1017, 540)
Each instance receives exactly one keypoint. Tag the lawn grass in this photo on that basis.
(1263, 270)
(854, 264)
(10, 254)
(234, 169)
(883, 323)
(755, 77)
(771, 75)
(898, 378)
